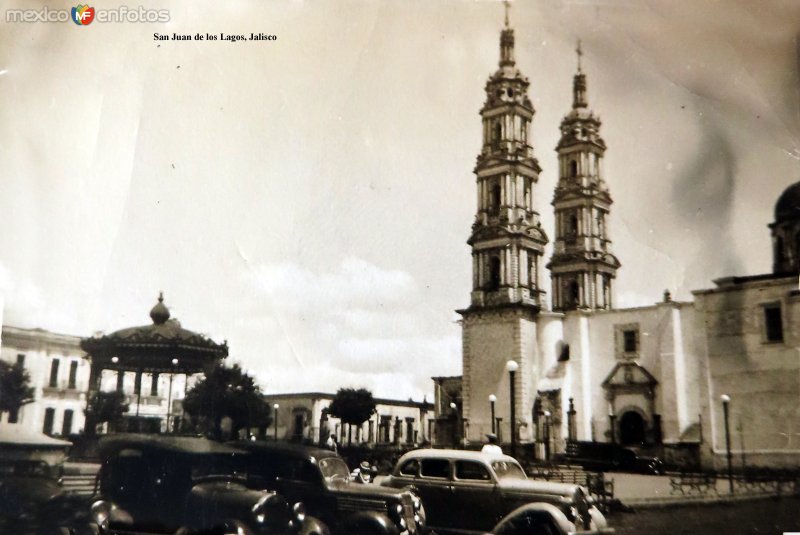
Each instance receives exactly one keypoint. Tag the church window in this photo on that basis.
(510, 92)
(573, 168)
(573, 294)
(494, 273)
(627, 341)
(773, 323)
(496, 198)
(572, 228)
(497, 133)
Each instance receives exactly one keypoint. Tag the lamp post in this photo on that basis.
(170, 427)
(457, 430)
(547, 435)
(726, 399)
(611, 419)
(276, 407)
(492, 399)
(512, 367)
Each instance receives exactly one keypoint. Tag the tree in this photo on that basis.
(353, 407)
(15, 389)
(105, 407)
(227, 392)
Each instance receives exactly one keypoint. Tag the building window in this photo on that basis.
(494, 273)
(627, 341)
(66, 426)
(497, 133)
(13, 416)
(496, 198)
(773, 323)
(573, 168)
(54, 373)
(73, 374)
(573, 294)
(49, 417)
(21, 360)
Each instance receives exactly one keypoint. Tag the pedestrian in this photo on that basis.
(491, 446)
(331, 443)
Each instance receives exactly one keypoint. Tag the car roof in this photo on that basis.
(295, 451)
(111, 444)
(466, 455)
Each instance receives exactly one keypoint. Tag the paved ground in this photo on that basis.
(766, 516)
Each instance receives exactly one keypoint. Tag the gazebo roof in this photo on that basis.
(164, 346)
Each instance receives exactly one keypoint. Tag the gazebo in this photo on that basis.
(156, 353)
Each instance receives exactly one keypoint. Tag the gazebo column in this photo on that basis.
(154, 384)
(120, 380)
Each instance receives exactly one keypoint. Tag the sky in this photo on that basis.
(308, 199)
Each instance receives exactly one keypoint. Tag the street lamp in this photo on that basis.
(546, 435)
(612, 419)
(276, 407)
(726, 399)
(492, 400)
(457, 430)
(169, 397)
(512, 367)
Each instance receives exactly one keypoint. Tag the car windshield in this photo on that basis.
(508, 470)
(334, 469)
(204, 466)
(26, 469)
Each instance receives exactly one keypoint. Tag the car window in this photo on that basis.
(508, 470)
(334, 468)
(410, 468)
(435, 468)
(472, 470)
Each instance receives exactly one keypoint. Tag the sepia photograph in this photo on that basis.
(400, 268)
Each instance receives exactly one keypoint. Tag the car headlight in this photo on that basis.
(299, 513)
(104, 512)
(396, 513)
(419, 511)
(259, 510)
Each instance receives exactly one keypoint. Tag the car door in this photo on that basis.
(474, 495)
(435, 488)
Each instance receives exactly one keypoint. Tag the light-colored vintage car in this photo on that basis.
(473, 492)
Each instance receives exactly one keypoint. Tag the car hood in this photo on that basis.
(538, 487)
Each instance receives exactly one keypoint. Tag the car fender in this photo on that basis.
(540, 513)
(369, 522)
(313, 526)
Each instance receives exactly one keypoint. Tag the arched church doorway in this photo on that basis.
(631, 428)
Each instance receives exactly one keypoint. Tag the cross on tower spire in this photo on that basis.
(507, 5)
(579, 51)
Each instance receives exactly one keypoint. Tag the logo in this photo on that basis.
(83, 15)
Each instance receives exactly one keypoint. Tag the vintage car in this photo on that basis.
(473, 492)
(32, 499)
(604, 456)
(321, 480)
(185, 485)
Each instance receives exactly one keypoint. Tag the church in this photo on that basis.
(539, 370)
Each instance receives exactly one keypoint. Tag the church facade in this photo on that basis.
(581, 369)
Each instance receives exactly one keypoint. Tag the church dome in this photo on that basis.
(159, 313)
(788, 205)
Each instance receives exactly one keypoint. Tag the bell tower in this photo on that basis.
(507, 243)
(507, 239)
(582, 267)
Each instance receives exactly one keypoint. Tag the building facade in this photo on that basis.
(651, 376)
(59, 374)
(304, 416)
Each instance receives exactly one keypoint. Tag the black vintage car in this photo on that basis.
(32, 500)
(321, 480)
(603, 456)
(186, 485)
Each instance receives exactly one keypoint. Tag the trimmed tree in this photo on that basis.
(105, 407)
(15, 389)
(227, 392)
(353, 407)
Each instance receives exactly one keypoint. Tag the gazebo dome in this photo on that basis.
(159, 313)
(788, 205)
(155, 347)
